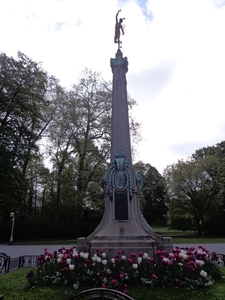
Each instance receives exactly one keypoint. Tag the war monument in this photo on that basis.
(123, 225)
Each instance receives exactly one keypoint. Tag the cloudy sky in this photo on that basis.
(176, 54)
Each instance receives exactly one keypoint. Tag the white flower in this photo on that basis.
(180, 264)
(71, 267)
(165, 259)
(203, 273)
(59, 260)
(123, 257)
(82, 254)
(200, 262)
(68, 261)
(139, 260)
(103, 255)
(135, 266)
(99, 259)
(46, 257)
(113, 260)
(104, 262)
(86, 255)
(60, 255)
(183, 255)
(94, 258)
(145, 255)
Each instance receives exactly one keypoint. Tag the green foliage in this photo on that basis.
(41, 122)
(14, 286)
(191, 268)
(196, 190)
(25, 110)
(154, 197)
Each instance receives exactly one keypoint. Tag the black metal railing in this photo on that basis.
(8, 263)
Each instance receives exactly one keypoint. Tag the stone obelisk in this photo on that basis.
(123, 225)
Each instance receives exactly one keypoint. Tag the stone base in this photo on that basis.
(123, 225)
(133, 244)
(111, 247)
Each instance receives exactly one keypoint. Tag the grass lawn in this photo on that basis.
(178, 236)
(14, 286)
(187, 237)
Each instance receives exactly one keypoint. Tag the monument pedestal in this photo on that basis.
(123, 225)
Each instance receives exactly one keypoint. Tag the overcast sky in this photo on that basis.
(176, 55)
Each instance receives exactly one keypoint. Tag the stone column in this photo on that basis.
(122, 225)
(120, 132)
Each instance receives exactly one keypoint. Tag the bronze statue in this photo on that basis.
(118, 27)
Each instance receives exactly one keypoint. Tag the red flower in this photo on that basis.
(114, 281)
(155, 277)
(30, 274)
(132, 254)
(125, 290)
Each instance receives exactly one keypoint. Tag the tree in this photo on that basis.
(80, 135)
(154, 196)
(70, 130)
(28, 98)
(190, 187)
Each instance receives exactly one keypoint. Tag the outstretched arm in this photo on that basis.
(117, 15)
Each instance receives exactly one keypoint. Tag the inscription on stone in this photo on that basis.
(121, 206)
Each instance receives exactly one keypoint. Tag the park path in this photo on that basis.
(20, 250)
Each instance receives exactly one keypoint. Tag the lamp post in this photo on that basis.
(12, 215)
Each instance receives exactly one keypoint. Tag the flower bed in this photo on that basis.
(184, 268)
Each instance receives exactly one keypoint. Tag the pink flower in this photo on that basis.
(103, 285)
(158, 252)
(114, 281)
(121, 276)
(130, 260)
(155, 277)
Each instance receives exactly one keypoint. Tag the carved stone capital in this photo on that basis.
(119, 61)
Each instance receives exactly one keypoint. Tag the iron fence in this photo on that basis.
(8, 263)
